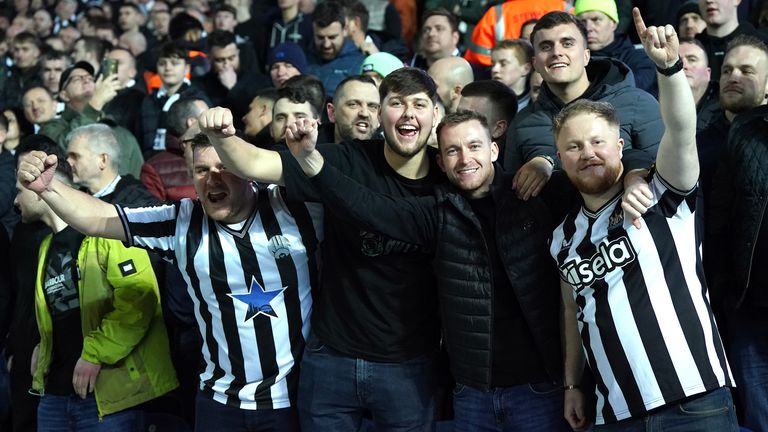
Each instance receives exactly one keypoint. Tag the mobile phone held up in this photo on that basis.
(108, 67)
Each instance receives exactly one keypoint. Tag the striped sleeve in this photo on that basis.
(151, 228)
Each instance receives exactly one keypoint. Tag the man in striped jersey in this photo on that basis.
(249, 261)
(635, 297)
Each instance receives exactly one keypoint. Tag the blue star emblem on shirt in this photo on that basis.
(259, 300)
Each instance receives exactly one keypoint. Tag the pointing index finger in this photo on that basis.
(639, 23)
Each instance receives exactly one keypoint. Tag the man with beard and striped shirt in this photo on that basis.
(248, 258)
(635, 296)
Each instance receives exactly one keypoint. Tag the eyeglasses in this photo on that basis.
(80, 78)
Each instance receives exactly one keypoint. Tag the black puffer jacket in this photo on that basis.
(463, 270)
(737, 208)
(446, 223)
(531, 135)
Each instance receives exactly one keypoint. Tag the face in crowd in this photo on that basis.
(355, 111)
(590, 151)
(467, 155)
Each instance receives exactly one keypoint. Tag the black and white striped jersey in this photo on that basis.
(251, 289)
(643, 309)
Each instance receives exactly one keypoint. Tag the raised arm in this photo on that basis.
(244, 159)
(89, 215)
(411, 219)
(677, 161)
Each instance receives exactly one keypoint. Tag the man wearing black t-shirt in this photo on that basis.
(375, 324)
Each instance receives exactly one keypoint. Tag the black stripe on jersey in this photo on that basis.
(721, 357)
(309, 237)
(669, 202)
(614, 351)
(569, 229)
(680, 295)
(193, 238)
(126, 228)
(220, 287)
(159, 229)
(262, 325)
(608, 415)
(287, 269)
(650, 333)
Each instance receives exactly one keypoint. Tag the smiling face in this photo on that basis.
(355, 112)
(560, 54)
(225, 197)
(407, 122)
(590, 151)
(466, 156)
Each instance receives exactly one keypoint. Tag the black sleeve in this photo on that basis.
(412, 219)
(297, 186)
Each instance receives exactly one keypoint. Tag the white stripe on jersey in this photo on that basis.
(237, 345)
(644, 314)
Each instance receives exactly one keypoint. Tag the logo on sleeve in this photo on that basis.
(127, 268)
(609, 256)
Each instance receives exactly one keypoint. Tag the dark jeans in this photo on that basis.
(212, 416)
(70, 413)
(748, 355)
(337, 391)
(711, 411)
(527, 407)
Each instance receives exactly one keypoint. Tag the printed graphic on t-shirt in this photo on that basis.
(60, 284)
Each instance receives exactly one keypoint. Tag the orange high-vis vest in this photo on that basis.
(503, 21)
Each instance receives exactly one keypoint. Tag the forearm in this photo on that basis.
(89, 215)
(573, 354)
(249, 161)
(677, 159)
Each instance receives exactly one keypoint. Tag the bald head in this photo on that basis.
(451, 74)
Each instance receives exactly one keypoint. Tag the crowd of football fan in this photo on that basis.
(150, 105)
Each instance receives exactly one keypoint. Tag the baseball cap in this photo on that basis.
(84, 65)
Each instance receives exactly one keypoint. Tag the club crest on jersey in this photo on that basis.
(279, 247)
(609, 256)
(259, 300)
(617, 218)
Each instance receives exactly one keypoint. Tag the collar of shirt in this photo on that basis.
(108, 189)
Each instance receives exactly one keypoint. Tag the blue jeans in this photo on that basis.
(214, 416)
(712, 411)
(748, 355)
(527, 407)
(70, 413)
(337, 391)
